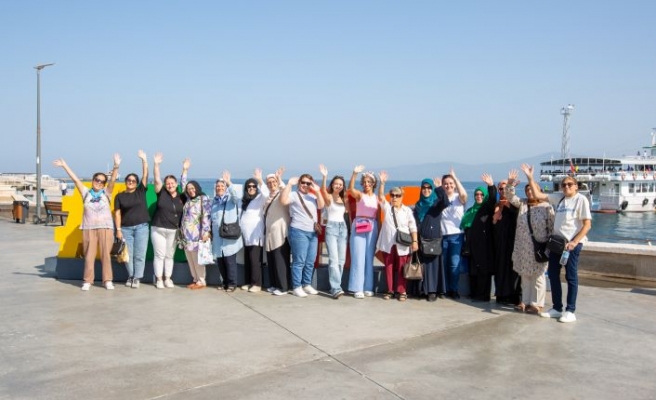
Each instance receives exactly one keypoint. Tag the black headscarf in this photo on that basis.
(246, 198)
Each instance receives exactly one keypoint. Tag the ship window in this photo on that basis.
(645, 187)
(651, 188)
(631, 187)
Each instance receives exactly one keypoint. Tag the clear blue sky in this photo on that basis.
(239, 84)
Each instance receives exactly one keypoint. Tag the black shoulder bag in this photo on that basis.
(231, 230)
(539, 249)
(401, 237)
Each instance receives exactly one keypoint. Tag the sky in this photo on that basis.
(235, 85)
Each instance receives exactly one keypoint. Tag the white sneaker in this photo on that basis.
(135, 284)
(244, 287)
(271, 289)
(551, 314)
(568, 316)
(298, 292)
(254, 289)
(368, 294)
(159, 284)
(168, 283)
(109, 285)
(358, 295)
(278, 292)
(309, 289)
(128, 283)
(86, 286)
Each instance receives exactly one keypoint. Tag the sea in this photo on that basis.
(629, 228)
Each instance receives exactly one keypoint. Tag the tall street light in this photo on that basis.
(37, 217)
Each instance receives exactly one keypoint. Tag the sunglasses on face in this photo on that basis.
(306, 183)
(478, 194)
(250, 186)
(130, 181)
(395, 196)
(101, 181)
(426, 187)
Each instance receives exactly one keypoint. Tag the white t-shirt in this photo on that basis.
(452, 216)
(387, 235)
(570, 214)
(300, 219)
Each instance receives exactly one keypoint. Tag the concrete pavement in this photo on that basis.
(58, 342)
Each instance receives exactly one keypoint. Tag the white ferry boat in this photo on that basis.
(625, 184)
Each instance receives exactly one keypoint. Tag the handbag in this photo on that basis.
(403, 238)
(230, 230)
(539, 248)
(363, 225)
(205, 255)
(317, 226)
(556, 244)
(413, 270)
(123, 256)
(431, 247)
(117, 247)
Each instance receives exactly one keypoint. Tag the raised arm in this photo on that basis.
(320, 201)
(509, 190)
(324, 190)
(355, 193)
(61, 163)
(381, 188)
(491, 189)
(462, 193)
(114, 176)
(528, 170)
(186, 163)
(285, 199)
(144, 168)
(157, 179)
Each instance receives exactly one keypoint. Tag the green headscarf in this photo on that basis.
(468, 217)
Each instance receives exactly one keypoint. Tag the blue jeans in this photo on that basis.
(363, 250)
(336, 234)
(304, 252)
(571, 276)
(136, 237)
(451, 246)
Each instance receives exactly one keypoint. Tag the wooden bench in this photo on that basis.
(54, 209)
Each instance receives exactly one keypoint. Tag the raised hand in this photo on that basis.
(487, 178)
(186, 163)
(257, 174)
(323, 170)
(142, 156)
(358, 168)
(279, 172)
(157, 158)
(513, 175)
(528, 170)
(452, 172)
(292, 181)
(383, 176)
(226, 177)
(117, 159)
(437, 181)
(59, 163)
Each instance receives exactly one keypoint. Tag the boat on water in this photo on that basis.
(624, 184)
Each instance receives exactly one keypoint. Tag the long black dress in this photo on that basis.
(506, 280)
(480, 242)
(429, 228)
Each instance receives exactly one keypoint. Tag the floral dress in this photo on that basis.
(195, 221)
(542, 220)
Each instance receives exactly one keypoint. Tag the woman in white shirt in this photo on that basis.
(397, 217)
(251, 222)
(336, 229)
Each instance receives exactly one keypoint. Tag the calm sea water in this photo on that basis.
(636, 228)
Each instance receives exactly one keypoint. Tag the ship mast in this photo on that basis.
(564, 147)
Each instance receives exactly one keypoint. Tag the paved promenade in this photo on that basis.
(57, 342)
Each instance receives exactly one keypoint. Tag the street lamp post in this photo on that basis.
(37, 217)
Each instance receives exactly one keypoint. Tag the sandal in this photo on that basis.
(387, 296)
(403, 297)
(521, 307)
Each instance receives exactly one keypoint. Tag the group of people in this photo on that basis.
(494, 238)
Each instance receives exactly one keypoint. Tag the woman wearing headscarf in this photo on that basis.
(276, 229)
(506, 280)
(398, 217)
(452, 237)
(166, 221)
(252, 229)
(195, 226)
(428, 214)
(336, 229)
(364, 233)
(477, 225)
(97, 225)
(537, 217)
(131, 217)
(225, 207)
